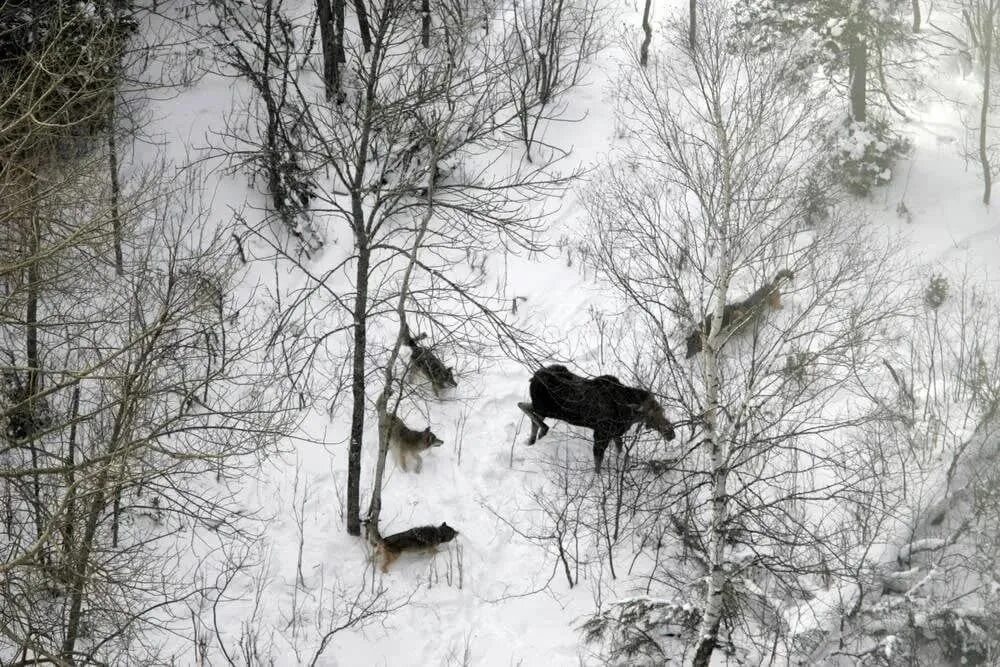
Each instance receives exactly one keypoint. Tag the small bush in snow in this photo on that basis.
(797, 367)
(816, 198)
(936, 292)
(864, 154)
(968, 640)
(637, 631)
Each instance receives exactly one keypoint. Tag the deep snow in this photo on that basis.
(493, 597)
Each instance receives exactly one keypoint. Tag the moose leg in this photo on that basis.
(618, 444)
(537, 423)
(600, 444)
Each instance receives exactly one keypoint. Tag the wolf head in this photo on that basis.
(449, 378)
(446, 532)
(428, 439)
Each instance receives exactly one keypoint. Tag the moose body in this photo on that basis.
(602, 403)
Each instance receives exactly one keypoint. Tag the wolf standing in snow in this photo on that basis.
(422, 538)
(424, 360)
(406, 442)
(736, 315)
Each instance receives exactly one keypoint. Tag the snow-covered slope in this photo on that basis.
(493, 596)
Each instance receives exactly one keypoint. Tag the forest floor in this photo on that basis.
(494, 596)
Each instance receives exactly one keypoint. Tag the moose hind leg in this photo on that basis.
(536, 422)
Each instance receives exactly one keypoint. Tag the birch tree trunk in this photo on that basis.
(719, 457)
(715, 443)
(984, 158)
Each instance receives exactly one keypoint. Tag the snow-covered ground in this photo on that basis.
(493, 596)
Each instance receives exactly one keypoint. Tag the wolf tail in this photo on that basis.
(408, 339)
(784, 274)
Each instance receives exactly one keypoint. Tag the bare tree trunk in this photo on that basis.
(31, 354)
(984, 158)
(719, 461)
(382, 404)
(338, 37)
(718, 448)
(116, 223)
(358, 373)
(692, 23)
(80, 565)
(916, 15)
(69, 518)
(328, 40)
(858, 67)
(648, 34)
(425, 23)
(364, 27)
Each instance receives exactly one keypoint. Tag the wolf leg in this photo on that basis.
(388, 558)
(400, 458)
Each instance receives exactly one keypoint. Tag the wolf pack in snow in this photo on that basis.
(603, 404)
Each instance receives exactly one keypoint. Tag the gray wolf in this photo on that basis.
(406, 442)
(424, 360)
(421, 538)
(737, 315)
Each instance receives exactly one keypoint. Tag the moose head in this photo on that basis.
(651, 417)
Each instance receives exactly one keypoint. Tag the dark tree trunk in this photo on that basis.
(363, 27)
(358, 375)
(116, 223)
(425, 23)
(692, 23)
(916, 15)
(858, 67)
(80, 567)
(328, 40)
(647, 31)
(338, 37)
(34, 376)
(69, 518)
